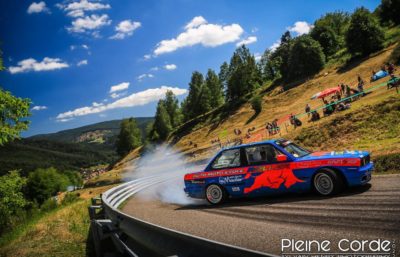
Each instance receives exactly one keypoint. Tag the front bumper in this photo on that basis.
(361, 176)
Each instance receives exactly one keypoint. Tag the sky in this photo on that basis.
(86, 61)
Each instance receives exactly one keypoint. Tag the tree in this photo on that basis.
(279, 59)
(389, 11)
(223, 74)
(337, 21)
(162, 123)
(13, 112)
(44, 183)
(215, 89)
(327, 38)
(12, 200)
(243, 74)
(306, 57)
(172, 108)
(129, 137)
(364, 35)
(267, 67)
(194, 104)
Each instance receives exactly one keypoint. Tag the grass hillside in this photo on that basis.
(371, 123)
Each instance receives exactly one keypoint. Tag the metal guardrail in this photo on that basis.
(135, 237)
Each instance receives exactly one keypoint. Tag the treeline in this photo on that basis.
(24, 197)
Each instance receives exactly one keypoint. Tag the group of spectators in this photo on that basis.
(272, 127)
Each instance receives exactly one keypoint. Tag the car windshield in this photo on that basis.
(293, 149)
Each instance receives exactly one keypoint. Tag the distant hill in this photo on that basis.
(70, 149)
(102, 132)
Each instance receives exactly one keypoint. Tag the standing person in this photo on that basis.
(342, 89)
(308, 109)
(390, 68)
(360, 85)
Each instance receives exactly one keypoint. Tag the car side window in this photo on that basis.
(261, 154)
(227, 159)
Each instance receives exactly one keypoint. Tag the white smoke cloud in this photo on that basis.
(161, 161)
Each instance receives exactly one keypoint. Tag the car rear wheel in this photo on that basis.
(215, 194)
(328, 182)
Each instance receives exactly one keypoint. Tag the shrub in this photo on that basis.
(44, 183)
(256, 104)
(389, 162)
(48, 205)
(70, 198)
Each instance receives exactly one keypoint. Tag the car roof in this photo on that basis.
(271, 141)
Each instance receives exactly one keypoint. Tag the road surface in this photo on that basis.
(364, 213)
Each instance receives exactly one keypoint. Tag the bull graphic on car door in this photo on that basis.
(271, 176)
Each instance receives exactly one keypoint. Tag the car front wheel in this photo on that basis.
(327, 182)
(215, 194)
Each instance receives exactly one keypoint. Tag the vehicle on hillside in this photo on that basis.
(277, 166)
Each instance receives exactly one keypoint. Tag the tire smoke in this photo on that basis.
(164, 161)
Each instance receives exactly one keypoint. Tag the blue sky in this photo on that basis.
(86, 61)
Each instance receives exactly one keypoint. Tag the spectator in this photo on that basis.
(328, 110)
(394, 82)
(342, 89)
(308, 109)
(360, 85)
(314, 116)
(391, 68)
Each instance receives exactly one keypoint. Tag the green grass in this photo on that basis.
(61, 232)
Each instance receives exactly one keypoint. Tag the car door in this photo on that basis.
(228, 170)
(267, 168)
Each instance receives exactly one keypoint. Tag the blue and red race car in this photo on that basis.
(277, 166)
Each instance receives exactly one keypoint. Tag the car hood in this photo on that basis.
(333, 155)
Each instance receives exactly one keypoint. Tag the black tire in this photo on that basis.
(328, 182)
(215, 194)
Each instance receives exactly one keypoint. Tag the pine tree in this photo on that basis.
(129, 137)
(172, 108)
(215, 90)
(194, 104)
(162, 123)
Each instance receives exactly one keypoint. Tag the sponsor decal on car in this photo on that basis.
(230, 179)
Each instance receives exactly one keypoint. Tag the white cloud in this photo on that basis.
(64, 120)
(31, 64)
(195, 22)
(247, 41)
(91, 22)
(38, 8)
(135, 99)
(198, 31)
(38, 108)
(78, 8)
(74, 47)
(119, 87)
(155, 68)
(147, 57)
(143, 76)
(125, 29)
(170, 66)
(300, 28)
(275, 45)
(83, 62)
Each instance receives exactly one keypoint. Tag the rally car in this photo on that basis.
(277, 166)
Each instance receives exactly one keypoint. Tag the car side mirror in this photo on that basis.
(281, 158)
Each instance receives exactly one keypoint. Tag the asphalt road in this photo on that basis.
(364, 213)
